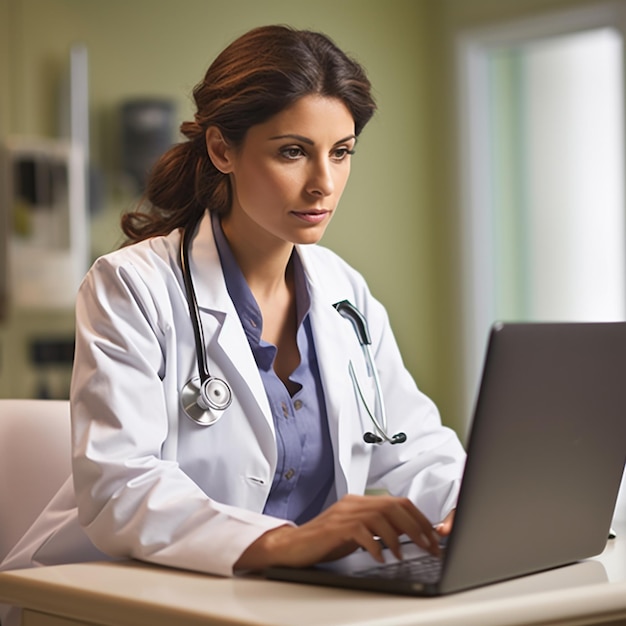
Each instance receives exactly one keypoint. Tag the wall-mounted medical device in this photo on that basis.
(44, 250)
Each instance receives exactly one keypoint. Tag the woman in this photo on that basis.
(279, 478)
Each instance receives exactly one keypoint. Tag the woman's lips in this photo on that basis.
(314, 216)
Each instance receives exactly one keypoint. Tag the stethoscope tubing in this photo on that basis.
(192, 301)
(204, 401)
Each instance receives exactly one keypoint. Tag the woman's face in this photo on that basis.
(289, 173)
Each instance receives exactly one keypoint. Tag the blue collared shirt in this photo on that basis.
(305, 468)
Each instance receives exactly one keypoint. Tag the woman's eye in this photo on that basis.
(341, 153)
(292, 152)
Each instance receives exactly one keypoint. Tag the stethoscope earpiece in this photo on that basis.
(371, 438)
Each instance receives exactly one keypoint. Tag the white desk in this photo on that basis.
(132, 594)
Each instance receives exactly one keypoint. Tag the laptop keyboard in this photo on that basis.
(422, 569)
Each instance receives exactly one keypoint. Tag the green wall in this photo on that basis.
(160, 47)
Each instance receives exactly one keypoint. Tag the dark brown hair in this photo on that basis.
(257, 76)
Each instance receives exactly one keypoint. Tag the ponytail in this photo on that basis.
(182, 184)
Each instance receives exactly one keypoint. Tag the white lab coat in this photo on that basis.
(150, 483)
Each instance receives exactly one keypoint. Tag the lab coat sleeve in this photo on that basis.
(428, 467)
(132, 501)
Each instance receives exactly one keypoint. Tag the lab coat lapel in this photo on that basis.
(227, 344)
(333, 355)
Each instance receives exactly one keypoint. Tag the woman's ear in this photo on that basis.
(219, 150)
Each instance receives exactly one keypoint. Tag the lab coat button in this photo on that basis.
(297, 405)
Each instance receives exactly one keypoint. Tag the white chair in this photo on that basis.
(35, 460)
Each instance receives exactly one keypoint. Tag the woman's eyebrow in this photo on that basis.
(348, 138)
(294, 136)
(308, 141)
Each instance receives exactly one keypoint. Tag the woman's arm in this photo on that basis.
(354, 521)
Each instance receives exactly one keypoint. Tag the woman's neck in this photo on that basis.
(265, 263)
(264, 260)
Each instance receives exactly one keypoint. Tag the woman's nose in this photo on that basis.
(321, 182)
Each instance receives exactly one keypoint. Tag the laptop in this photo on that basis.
(546, 454)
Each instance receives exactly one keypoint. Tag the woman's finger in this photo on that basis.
(366, 521)
(409, 520)
(387, 517)
(444, 528)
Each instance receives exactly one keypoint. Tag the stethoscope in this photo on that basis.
(205, 398)
(350, 312)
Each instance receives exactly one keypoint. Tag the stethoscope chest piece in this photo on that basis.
(205, 402)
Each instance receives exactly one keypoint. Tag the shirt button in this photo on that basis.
(297, 405)
(285, 409)
(290, 474)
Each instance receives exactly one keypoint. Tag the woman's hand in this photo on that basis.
(445, 527)
(354, 521)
